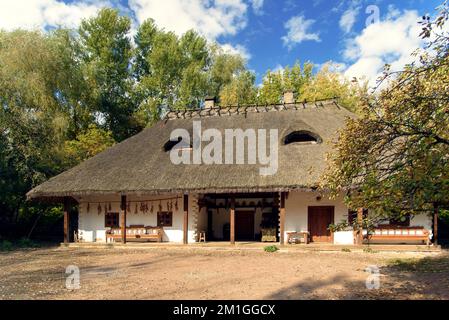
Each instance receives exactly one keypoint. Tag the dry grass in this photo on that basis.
(186, 273)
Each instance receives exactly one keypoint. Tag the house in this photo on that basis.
(137, 184)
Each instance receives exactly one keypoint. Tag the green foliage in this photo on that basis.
(329, 83)
(88, 144)
(26, 243)
(6, 245)
(394, 158)
(270, 249)
(345, 250)
(343, 225)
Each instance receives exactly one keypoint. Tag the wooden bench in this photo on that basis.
(398, 234)
(135, 233)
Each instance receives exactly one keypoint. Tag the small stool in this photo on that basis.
(202, 236)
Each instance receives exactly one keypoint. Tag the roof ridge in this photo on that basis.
(244, 109)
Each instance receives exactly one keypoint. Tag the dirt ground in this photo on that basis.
(200, 274)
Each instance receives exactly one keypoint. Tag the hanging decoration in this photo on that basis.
(110, 207)
(160, 206)
(135, 210)
(128, 207)
(142, 207)
(152, 208)
(88, 207)
(176, 204)
(99, 209)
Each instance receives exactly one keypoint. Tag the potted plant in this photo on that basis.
(342, 233)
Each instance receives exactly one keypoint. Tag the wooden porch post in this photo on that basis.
(282, 219)
(123, 218)
(186, 219)
(435, 223)
(360, 221)
(66, 220)
(232, 221)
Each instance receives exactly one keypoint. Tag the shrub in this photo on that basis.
(271, 249)
(346, 250)
(6, 245)
(27, 243)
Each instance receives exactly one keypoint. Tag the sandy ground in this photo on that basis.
(200, 274)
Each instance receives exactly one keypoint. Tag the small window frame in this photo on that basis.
(112, 220)
(165, 218)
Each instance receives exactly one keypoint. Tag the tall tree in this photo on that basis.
(107, 53)
(395, 157)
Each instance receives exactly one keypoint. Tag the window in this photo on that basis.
(352, 216)
(179, 146)
(111, 219)
(165, 219)
(302, 137)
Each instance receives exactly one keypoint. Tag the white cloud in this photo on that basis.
(32, 14)
(213, 18)
(388, 41)
(257, 6)
(237, 49)
(348, 19)
(298, 31)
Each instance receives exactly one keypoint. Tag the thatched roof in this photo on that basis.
(139, 165)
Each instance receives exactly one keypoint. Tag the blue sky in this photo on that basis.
(270, 33)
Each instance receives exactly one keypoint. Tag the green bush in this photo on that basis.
(6, 245)
(369, 250)
(27, 243)
(346, 250)
(271, 249)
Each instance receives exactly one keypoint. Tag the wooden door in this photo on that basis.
(319, 219)
(244, 225)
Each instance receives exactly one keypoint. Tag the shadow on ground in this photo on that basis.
(414, 278)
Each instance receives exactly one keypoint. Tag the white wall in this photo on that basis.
(296, 209)
(91, 224)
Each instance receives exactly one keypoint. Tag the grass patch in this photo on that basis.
(427, 264)
(271, 249)
(369, 250)
(346, 250)
(23, 243)
(6, 245)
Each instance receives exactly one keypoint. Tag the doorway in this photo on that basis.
(244, 225)
(319, 219)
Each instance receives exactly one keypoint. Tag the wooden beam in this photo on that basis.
(186, 219)
(360, 222)
(66, 220)
(435, 223)
(123, 218)
(282, 219)
(232, 221)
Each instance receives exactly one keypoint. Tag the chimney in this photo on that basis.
(209, 102)
(289, 97)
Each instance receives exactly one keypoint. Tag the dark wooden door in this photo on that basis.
(244, 225)
(319, 219)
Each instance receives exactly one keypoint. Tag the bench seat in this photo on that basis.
(135, 234)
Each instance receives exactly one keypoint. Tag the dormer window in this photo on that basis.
(302, 137)
(169, 145)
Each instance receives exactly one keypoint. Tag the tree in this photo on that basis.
(241, 90)
(87, 145)
(106, 55)
(329, 84)
(395, 157)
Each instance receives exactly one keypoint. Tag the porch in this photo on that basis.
(242, 246)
